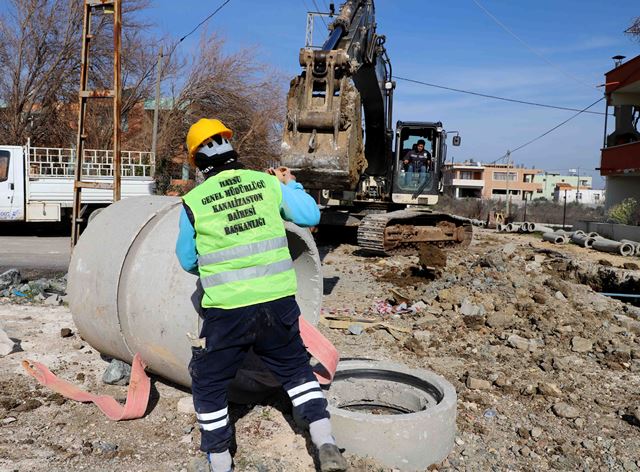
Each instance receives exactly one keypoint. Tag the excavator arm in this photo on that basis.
(324, 142)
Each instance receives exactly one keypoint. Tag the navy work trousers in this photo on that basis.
(271, 328)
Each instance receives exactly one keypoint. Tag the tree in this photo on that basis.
(40, 49)
(234, 88)
(634, 29)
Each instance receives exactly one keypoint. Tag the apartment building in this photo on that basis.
(517, 180)
(550, 180)
(465, 180)
(620, 158)
(581, 195)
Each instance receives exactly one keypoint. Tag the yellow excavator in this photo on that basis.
(340, 142)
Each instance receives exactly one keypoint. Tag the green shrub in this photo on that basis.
(625, 212)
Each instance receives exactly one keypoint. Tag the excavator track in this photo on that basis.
(407, 231)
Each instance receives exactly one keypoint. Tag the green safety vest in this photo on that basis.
(243, 255)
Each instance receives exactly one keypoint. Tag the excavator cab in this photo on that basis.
(420, 151)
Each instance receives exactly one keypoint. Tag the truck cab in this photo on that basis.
(11, 183)
(420, 152)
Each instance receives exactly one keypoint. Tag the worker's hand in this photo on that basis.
(283, 174)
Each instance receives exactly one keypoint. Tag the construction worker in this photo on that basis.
(417, 160)
(232, 235)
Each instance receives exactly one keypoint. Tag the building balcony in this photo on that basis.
(621, 159)
(473, 183)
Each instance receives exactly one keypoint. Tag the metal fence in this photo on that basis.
(60, 163)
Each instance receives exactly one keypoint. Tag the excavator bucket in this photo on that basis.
(322, 142)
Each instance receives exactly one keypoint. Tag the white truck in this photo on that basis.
(36, 183)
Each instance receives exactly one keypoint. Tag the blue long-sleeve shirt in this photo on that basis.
(297, 206)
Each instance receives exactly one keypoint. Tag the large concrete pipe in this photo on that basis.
(616, 247)
(537, 227)
(554, 238)
(635, 244)
(128, 293)
(582, 240)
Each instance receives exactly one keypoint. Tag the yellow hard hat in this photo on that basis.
(202, 130)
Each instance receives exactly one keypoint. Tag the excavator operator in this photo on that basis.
(417, 159)
(232, 235)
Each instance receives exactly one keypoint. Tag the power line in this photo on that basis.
(204, 21)
(318, 10)
(495, 97)
(548, 131)
(532, 50)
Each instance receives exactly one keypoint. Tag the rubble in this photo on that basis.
(6, 344)
(544, 382)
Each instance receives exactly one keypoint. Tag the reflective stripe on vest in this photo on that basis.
(247, 274)
(242, 251)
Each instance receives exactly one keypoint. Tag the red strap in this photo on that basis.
(137, 395)
(321, 348)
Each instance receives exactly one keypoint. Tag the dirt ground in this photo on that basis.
(547, 371)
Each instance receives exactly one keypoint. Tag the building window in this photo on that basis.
(596, 197)
(539, 190)
(498, 191)
(503, 176)
(579, 196)
(528, 178)
(466, 175)
(4, 165)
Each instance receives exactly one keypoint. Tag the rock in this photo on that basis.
(521, 343)
(588, 444)
(52, 300)
(493, 260)
(579, 422)
(418, 306)
(499, 320)
(77, 346)
(549, 390)
(38, 286)
(9, 420)
(469, 309)
(536, 432)
(6, 344)
(355, 329)
(579, 344)
(636, 414)
(559, 296)
(539, 298)
(630, 266)
(509, 249)
(605, 263)
(103, 447)
(117, 373)
(564, 410)
(9, 278)
(185, 406)
(66, 332)
(478, 384)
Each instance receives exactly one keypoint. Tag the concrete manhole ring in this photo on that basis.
(405, 418)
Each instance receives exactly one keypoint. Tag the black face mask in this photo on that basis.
(203, 161)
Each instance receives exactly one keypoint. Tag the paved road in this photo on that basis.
(35, 256)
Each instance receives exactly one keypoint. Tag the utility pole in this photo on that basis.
(564, 208)
(508, 177)
(156, 108)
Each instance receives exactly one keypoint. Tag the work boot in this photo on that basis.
(331, 459)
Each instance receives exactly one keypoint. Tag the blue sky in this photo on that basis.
(456, 44)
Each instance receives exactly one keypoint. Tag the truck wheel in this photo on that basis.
(403, 417)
